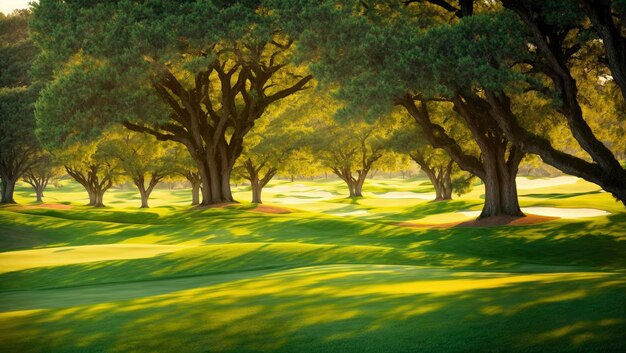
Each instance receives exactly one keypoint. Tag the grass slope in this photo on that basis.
(332, 275)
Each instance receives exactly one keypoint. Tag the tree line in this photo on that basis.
(467, 89)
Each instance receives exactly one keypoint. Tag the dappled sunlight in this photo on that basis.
(25, 259)
(338, 272)
(332, 304)
(536, 183)
(569, 213)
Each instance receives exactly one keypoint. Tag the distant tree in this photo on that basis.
(44, 171)
(199, 73)
(18, 145)
(351, 149)
(267, 149)
(436, 163)
(140, 157)
(301, 163)
(91, 167)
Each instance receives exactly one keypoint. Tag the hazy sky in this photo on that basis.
(7, 6)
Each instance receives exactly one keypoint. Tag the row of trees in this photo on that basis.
(457, 85)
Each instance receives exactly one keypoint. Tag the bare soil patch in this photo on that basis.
(487, 222)
(270, 209)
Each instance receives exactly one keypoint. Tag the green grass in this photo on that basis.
(333, 275)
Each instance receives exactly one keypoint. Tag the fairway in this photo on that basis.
(313, 271)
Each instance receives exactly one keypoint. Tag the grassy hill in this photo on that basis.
(313, 271)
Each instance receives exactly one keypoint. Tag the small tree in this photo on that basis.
(440, 169)
(267, 149)
(141, 158)
(92, 168)
(350, 150)
(41, 173)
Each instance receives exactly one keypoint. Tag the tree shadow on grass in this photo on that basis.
(335, 308)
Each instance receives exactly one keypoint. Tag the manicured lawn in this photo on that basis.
(311, 271)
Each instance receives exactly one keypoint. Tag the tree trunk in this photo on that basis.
(92, 197)
(195, 193)
(215, 181)
(8, 188)
(350, 188)
(442, 181)
(99, 196)
(144, 199)
(500, 186)
(256, 193)
(358, 186)
(39, 193)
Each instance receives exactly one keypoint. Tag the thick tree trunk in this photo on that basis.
(215, 181)
(99, 196)
(8, 188)
(39, 193)
(500, 186)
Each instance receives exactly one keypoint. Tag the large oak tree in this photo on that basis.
(420, 57)
(199, 73)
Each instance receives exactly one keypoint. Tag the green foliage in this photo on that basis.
(376, 62)
(104, 57)
(138, 155)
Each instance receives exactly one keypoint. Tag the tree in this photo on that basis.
(436, 163)
(197, 73)
(18, 145)
(421, 59)
(267, 149)
(301, 163)
(45, 170)
(91, 167)
(561, 46)
(350, 149)
(141, 158)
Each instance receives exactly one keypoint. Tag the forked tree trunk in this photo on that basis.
(38, 182)
(439, 175)
(145, 192)
(256, 182)
(92, 183)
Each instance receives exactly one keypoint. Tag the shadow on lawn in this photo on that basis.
(336, 308)
(560, 195)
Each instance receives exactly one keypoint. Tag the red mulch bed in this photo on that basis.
(270, 209)
(487, 222)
